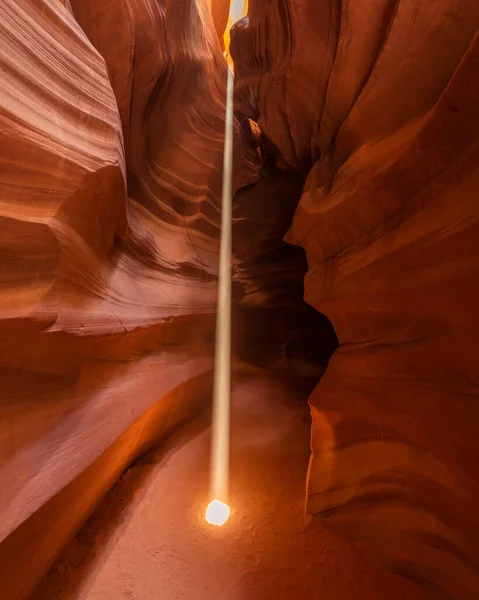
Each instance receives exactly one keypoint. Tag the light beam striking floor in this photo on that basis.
(220, 444)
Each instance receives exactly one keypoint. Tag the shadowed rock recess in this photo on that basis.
(356, 180)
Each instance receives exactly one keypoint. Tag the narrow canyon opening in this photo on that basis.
(354, 424)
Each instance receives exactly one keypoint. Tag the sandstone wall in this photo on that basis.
(377, 104)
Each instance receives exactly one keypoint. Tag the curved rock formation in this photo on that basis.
(111, 136)
(379, 102)
(107, 300)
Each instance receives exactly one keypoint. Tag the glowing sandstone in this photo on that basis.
(109, 209)
(376, 104)
(107, 298)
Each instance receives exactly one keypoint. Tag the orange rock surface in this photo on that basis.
(111, 126)
(357, 186)
(377, 105)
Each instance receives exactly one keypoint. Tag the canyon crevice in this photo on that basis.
(355, 256)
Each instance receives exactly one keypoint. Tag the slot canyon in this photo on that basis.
(355, 285)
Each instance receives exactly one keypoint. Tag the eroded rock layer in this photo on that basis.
(111, 133)
(110, 175)
(379, 102)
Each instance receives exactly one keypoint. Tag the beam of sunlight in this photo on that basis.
(218, 510)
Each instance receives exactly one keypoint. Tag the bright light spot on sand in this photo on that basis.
(217, 513)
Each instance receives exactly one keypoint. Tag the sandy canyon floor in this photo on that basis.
(148, 540)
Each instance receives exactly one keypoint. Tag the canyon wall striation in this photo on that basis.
(357, 169)
(111, 142)
(376, 106)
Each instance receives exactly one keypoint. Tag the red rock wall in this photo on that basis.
(379, 101)
(110, 175)
(111, 131)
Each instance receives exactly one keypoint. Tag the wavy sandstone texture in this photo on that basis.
(377, 104)
(107, 297)
(111, 134)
